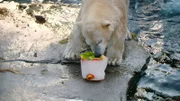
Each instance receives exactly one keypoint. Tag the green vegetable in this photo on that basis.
(89, 56)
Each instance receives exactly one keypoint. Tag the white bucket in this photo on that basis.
(94, 70)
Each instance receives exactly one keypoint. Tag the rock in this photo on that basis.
(159, 34)
(44, 81)
(31, 35)
(151, 42)
(176, 59)
(160, 82)
(158, 56)
(175, 56)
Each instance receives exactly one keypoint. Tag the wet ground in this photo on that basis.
(156, 22)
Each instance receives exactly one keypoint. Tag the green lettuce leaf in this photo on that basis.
(87, 55)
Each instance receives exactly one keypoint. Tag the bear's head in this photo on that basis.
(97, 35)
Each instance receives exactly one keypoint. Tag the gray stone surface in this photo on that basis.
(54, 82)
(22, 38)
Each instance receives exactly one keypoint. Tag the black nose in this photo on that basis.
(97, 55)
(97, 51)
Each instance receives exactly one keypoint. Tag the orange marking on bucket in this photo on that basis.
(89, 77)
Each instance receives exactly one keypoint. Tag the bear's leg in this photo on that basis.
(74, 45)
(115, 52)
(115, 48)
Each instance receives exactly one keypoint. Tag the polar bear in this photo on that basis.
(101, 24)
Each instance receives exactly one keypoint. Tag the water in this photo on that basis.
(63, 1)
(171, 8)
(156, 22)
(70, 1)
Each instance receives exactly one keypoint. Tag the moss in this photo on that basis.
(56, 7)
(33, 8)
(30, 12)
(1, 58)
(63, 41)
(44, 72)
(47, 12)
(134, 36)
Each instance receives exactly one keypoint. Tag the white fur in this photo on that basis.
(103, 21)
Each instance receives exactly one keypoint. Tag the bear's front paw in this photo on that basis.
(114, 61)
(70, 54)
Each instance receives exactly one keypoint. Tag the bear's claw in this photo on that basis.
(114, 62)
(71, 56)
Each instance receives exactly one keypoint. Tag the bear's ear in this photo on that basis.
(107, 24)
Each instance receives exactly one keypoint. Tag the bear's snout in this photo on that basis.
(97, 55)
(97, 51)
